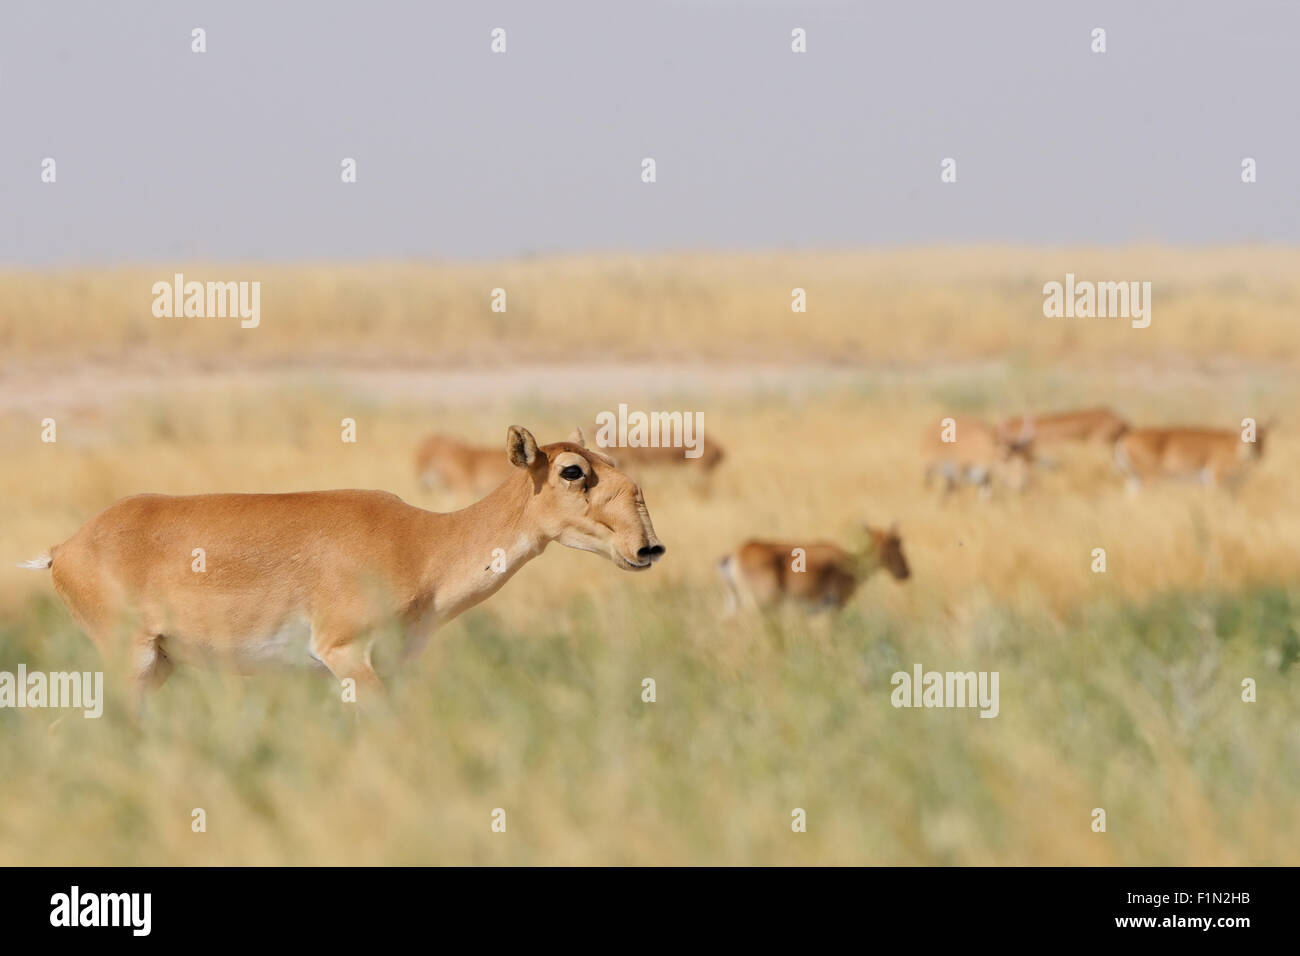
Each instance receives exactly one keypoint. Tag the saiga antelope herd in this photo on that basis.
(981, 454)
(762, 573)
(312, 578)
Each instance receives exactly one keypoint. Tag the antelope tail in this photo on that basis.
(37, 564)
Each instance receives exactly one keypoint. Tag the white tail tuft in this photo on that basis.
(37, 564)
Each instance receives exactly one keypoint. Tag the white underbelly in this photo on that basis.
(288, 646)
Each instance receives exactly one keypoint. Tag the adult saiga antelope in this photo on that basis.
(638, 458)
(1212, 456)
(978, 453)
(1088, 426)
(459, 467)
(315, 576)
(818, 575)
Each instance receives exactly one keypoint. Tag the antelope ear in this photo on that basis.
(578, 438)
(521, 447)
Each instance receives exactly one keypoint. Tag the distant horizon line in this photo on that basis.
(732, 252)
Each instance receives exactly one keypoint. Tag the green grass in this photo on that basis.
(1134, 708)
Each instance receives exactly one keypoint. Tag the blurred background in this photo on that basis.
(775, 171)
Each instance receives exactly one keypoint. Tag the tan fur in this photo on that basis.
(711, 455)
(762, 573)
(1091, 425)
(345, 564)
(980, 454)
(643, 463)
(1212, 456)
(459, 467)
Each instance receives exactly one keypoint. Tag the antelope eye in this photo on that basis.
(571, 473)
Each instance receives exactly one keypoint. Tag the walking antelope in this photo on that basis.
(459, 467)
(1092, 425)
(1213, 456)
(314, 576)
(666, 456)
(638, 461)
(819, 575)
(978, 453)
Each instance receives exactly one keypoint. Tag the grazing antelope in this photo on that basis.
(979, 453)
(459, 467)
(642, 462)
(763, 573)
(314, 576)
(1092, 425)
(1212, 456)
(710, 457)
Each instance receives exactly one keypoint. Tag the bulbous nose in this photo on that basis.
(652, 552)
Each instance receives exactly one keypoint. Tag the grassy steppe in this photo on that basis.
(1119, 690)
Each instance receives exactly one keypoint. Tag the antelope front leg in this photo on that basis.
(348, 658)
(416, 635)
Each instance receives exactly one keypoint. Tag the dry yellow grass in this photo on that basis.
(914, 305)
(1119, 690)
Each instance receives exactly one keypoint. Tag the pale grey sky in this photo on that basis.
(164, 155)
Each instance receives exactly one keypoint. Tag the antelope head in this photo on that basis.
(884, 549)
(580, 499)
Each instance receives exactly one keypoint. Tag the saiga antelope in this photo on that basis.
(459, 467)
(314, 576)
(639, 460)
(979, 453)
(666, 456)
(824, 577)
(1094, 426)
(1212, 456)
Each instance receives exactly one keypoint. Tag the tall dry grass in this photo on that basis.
(919, 305)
